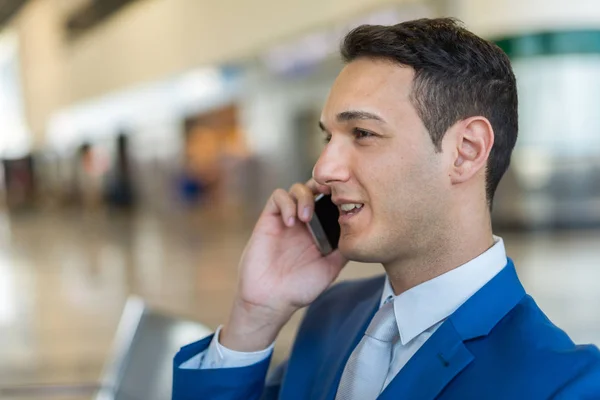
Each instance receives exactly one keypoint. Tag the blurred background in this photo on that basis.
(139, 140)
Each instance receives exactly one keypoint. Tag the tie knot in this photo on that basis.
(383, 326)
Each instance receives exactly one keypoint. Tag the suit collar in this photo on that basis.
(478, 315)
(442, 357)
(431, 302)
(445, 354)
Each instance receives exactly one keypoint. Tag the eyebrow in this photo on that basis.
(352, 115)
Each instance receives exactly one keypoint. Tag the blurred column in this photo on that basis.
(39, 28)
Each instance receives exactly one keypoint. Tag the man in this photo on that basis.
(419, 127)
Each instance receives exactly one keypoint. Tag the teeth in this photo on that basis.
(350, 207)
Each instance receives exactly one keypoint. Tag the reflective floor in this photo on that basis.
(64, 279)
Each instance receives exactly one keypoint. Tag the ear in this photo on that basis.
(474, 141)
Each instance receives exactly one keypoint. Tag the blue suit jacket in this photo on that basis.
(498, 345)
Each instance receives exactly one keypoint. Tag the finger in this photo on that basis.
(317, 188)
(281, 203)
(305, 200)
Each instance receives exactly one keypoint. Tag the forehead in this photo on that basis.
(378, 86)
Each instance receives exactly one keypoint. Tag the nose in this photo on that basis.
(333, 165)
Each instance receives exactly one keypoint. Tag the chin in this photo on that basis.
(355, 250)
(371, 246)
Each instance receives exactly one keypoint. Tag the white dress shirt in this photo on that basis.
(419, 313)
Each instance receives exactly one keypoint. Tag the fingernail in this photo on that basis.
(291, 221)
(306, 213)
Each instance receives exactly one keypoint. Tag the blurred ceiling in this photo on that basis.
(8, 8)
(80, 15)
(85, 15)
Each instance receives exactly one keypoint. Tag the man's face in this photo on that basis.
(380, 156)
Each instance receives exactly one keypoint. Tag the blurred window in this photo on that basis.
(14, 136)
(558, 74)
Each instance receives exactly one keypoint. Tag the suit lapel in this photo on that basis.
(349, 334)
(439, 360)
(444, 355)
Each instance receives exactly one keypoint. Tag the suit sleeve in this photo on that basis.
(243, 383)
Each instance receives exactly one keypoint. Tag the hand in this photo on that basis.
(281, 270)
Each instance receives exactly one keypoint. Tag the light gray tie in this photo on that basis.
(369, 363)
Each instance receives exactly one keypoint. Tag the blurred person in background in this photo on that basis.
(119, 192)
(19, 181)
(89, 176)
(420, 126)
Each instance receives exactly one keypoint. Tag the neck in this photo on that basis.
(449, 248)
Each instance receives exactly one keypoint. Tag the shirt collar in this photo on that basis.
(431, 302)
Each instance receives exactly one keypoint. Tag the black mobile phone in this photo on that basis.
(324, 225)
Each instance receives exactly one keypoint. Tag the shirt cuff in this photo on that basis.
(219, 356)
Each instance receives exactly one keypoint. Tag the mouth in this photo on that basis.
(349, 210)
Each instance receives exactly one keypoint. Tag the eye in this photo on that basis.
(362, 134)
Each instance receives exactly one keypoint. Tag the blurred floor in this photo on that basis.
(64, 279)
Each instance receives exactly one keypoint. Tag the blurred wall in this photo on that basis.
(270, 108)
(152, 39)
(493, 18)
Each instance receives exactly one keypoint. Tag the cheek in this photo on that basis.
(385, 183)
(403, 187)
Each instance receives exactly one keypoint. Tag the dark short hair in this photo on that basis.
(457, 75)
